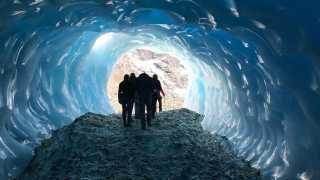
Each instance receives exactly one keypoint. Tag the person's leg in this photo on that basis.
(130, 108)
(142, 115)
(153, 107)
(124, 111)
(136, 108)
(160, 104)
(149, 110)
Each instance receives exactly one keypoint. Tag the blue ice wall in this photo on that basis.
(255, 71)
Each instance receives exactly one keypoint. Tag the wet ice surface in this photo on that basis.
(175, 147)
(255, 71)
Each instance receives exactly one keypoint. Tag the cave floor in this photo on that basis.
(175, 147)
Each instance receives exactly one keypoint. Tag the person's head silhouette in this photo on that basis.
(132, 76)
(126, 77)
(155, 77)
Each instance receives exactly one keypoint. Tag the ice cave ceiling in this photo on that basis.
(253, 71)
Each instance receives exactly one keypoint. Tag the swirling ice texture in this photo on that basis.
(254, 71)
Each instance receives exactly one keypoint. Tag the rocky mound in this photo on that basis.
(98, 147)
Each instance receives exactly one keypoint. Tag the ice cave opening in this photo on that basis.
(170, 70)
(253, 71)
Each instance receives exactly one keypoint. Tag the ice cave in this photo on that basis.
(251, 67)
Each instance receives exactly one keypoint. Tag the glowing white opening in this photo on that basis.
(170, 70)
(103, 40)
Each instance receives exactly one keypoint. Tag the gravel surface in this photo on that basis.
(175, 147)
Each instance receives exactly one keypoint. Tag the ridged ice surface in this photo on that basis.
(254, 71)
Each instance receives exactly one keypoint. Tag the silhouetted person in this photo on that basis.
(144, 88)
(156, 95)
(132, 95)
(124, 93)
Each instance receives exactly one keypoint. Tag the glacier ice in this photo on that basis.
(255, 71)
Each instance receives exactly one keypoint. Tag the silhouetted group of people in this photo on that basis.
(143, 93)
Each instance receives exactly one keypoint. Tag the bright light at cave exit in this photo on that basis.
(160, 58)
(102, 41)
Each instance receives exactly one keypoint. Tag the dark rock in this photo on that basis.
(98, 147)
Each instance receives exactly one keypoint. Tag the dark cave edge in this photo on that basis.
(96, 146)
